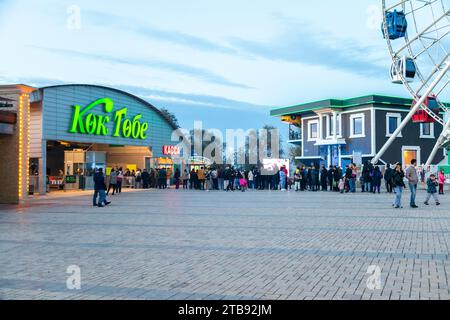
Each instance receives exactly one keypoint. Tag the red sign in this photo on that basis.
(171, 151)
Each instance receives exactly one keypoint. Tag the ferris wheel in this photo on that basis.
(418, 39)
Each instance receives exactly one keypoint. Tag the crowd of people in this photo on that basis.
(304, 178)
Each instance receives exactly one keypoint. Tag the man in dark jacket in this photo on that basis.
(324, 178)
(145, 179)
(367, 176)
(100, 189)
(348, 177)
(388, 178)
(331, 177)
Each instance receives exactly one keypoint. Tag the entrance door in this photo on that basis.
(410, 153)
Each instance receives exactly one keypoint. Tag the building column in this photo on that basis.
(334, 125)
(329, 157)
(320, 127)
(43, 169)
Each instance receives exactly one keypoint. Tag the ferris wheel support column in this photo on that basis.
(411, 113)
(438, 145)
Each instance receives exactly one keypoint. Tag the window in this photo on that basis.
(393, 121)
(427, 130)
(330, 126)
(357, 126)
(313, 132)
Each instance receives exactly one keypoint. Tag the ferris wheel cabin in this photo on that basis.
(422, 116)
(405, 68)
(396, 25)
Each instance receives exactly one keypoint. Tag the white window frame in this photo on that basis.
(339, 123)
(411, 148)
(352, 129)
(311, 122)
(425, 136)
(399, 122)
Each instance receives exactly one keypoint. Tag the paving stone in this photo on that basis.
(224, 246)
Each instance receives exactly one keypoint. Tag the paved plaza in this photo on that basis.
(217, 245)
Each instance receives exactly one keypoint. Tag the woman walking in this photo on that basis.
(399, 184)
(441, 179)
(112, 182)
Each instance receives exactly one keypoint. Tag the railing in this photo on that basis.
(295, 134)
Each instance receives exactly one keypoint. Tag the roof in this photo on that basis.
(6, 99)
(173, 125)
(342, 104)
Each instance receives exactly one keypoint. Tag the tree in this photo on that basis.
(169, 116)
(295, 152)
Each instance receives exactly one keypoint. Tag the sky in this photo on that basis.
(226, 63)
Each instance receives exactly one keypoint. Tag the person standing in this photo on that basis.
(331, 177)
(251, 180)
(432, 184)
(112, 182)
(441, 180)
(282, 182)
(119, 181)
(367, 177)
(377, 176)
(201, 178)
(348, 177)
(215, 178)
(138, 179)
(388, 178)
(413, 180)
(162, 178)
(398, 183)
(100, 189)
(153, 178)
(177, 177)
(145, 179)
(192, 183)
(353, 178)
(185, 179)
(168, 178)
(297, 180)
(324, 178)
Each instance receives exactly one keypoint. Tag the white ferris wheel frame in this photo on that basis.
(439, 71)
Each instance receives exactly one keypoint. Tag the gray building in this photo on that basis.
(337, 132)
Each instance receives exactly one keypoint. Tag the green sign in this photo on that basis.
(71, 179)
(84, 122)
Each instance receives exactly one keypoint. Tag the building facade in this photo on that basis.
(337, 132)
(67, 131)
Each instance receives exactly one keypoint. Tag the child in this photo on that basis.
(341, 185)
(432, 190)
(243, 184)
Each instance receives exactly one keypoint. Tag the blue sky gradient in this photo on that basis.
(224, 62)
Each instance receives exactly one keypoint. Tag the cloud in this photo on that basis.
(299, 43)
(183, 69)
(152, 32)
(151, 95)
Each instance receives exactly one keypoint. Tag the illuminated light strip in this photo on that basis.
(20, 123)
(28, 143)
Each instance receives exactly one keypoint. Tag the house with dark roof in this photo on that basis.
(338, 132)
